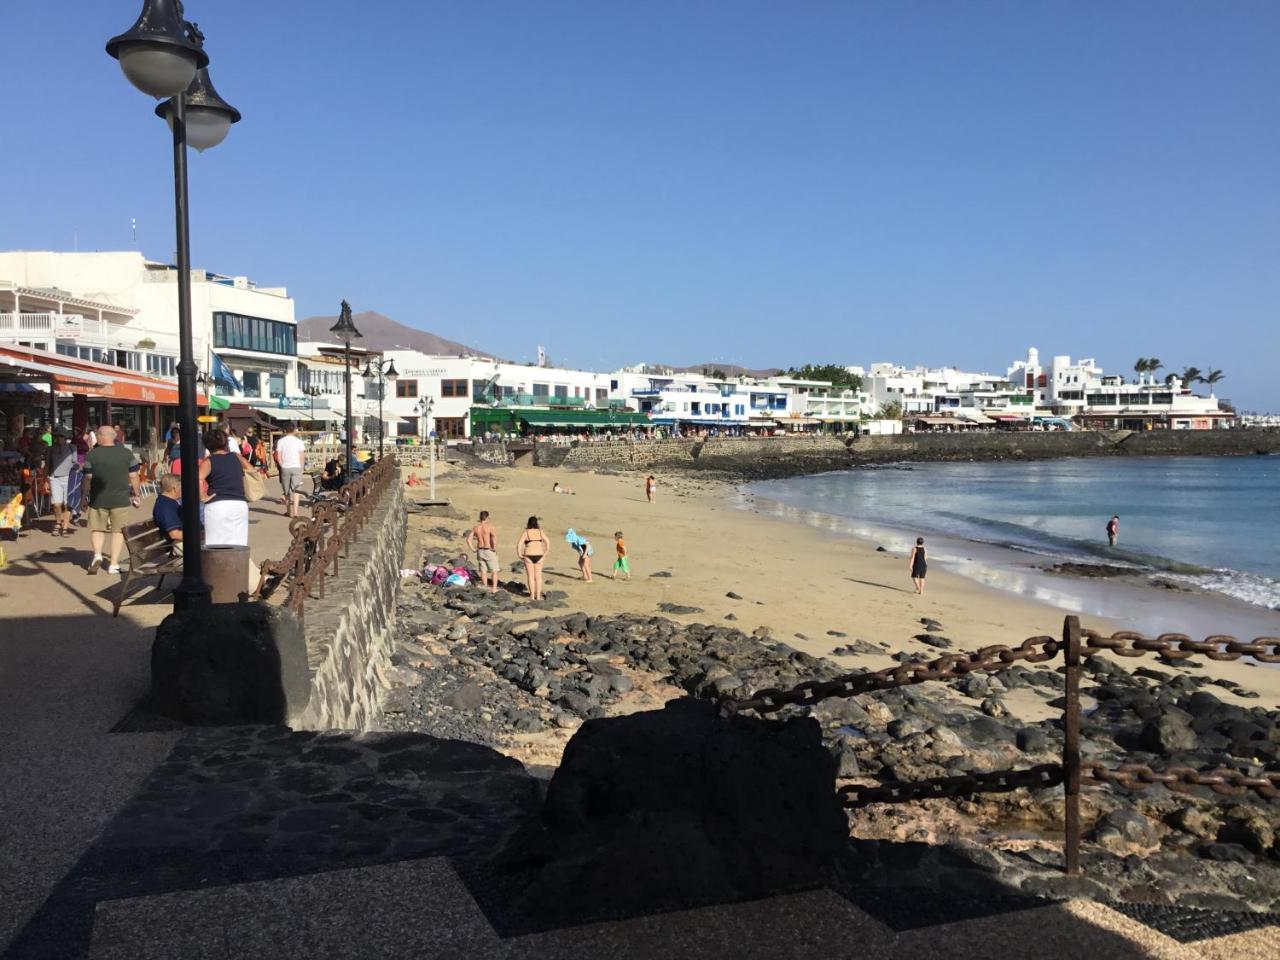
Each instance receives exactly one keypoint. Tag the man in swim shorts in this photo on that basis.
(483, 539)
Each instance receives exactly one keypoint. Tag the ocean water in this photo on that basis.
(1211, 522)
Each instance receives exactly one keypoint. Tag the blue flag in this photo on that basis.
(223, 376)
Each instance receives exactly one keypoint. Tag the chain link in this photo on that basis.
(1000, 781)
(1179, 646)
(949, 667)
(1223, 780)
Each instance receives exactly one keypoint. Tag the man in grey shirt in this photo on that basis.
(61, 458)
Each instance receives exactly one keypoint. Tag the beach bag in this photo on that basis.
(440, 575)
(255, 488)
(456, 581)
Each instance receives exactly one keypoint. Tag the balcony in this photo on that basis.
(48, 328)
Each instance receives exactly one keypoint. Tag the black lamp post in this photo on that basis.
(346, 332)
(385, 372)
(163, 55)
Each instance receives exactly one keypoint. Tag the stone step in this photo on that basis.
(415, 909)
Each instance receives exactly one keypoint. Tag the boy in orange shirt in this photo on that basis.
(622, 563)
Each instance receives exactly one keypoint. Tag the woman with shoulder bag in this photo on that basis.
(226, 512)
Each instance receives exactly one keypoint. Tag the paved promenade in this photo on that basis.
(69, 672)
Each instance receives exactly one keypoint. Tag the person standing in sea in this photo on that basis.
(919, 565)
(1113, 529)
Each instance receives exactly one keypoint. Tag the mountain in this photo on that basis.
(382, 333)
(729, 370)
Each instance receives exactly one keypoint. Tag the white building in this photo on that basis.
(696, 401)
(1081, 391)
(548, 396)
(122, 309)
(920, 390)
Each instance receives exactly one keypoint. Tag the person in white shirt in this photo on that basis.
(290, 455)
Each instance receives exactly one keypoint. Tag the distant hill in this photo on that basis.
(729, 369)
(382, 333)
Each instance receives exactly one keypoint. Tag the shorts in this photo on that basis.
(487, 560)
(108, 519)
(58, 490)
(291, 480)
(622, 564)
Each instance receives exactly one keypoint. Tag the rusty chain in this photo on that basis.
(1000, 781)
(1223, 780)
(1179, 646)
(989, 659)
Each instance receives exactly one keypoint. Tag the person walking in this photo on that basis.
(651, 489)
(113, 490)
(226, 514)
(1113, 529)
(483, 539)
(919, 565)
(532, 548)
(290, 455)
(623, 563)
(61, 459)
(584, 550)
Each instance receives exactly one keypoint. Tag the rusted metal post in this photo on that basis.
(1071, 744)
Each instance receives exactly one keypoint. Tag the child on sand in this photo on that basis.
(622, 564)
(584, 551)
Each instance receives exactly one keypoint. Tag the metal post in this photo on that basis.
(382, 389)
(431, 490)
(346, 355)
(1071, 744)
(191, 591)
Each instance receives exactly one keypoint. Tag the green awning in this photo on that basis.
(219, 403)
(582, 418)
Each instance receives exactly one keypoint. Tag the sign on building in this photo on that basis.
(67, 326)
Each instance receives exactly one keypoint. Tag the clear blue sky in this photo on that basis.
(762, 183)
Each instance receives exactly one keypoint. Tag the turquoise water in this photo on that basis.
(1209, 521)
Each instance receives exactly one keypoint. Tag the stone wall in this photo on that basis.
(980, 446)
(350, 632)
(625, 455)
(1217, 443)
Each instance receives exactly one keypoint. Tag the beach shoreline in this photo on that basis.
(816, 590)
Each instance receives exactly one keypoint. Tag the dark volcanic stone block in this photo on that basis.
(228, 664)
(681, 805)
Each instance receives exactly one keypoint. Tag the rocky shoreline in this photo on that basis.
(522, 679)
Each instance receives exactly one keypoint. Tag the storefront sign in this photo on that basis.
(67, 326)
(294, 403)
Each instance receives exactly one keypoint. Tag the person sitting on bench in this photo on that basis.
(167, 512)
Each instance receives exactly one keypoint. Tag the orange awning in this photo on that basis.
(86, 378)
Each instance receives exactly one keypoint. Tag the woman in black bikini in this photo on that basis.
(532, 549)
(918, 565)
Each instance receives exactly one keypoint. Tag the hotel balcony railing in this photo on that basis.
(49, 328)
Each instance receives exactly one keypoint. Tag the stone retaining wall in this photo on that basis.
(350, 633)
(807, 453)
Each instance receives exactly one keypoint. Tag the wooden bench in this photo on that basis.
(150, 555)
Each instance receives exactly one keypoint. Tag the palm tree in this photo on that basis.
(1212, 377)
(1189, 376)
(1140, 367)
(1153, 364)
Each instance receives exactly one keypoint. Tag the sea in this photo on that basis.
(1207, 523)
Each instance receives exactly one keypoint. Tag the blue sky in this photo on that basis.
(760, 183)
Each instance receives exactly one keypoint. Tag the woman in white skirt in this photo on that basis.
(226, 512)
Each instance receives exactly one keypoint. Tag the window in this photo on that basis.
(253, 333)
(738, 410)
(613, 384)
(453, 388)
(542, 390)
(602, 395)
(252, 381)
(406, 388)
(562, 390)
(275, 385)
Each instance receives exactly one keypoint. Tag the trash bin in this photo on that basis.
(226, 571)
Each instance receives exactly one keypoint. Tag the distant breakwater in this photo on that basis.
(768, 457)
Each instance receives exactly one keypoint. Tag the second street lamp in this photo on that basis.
(384, 374)
(163, 55)
(345, 330)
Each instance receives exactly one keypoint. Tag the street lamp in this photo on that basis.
(381, 376)
(163, 55)
(346, 332)
(423, 409)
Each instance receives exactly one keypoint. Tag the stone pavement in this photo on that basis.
(69, 672)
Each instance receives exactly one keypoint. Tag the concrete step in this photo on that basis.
(416, 910)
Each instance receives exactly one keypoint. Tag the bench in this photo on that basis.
(150, 555)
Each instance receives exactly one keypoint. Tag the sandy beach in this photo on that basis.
(798, 581)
